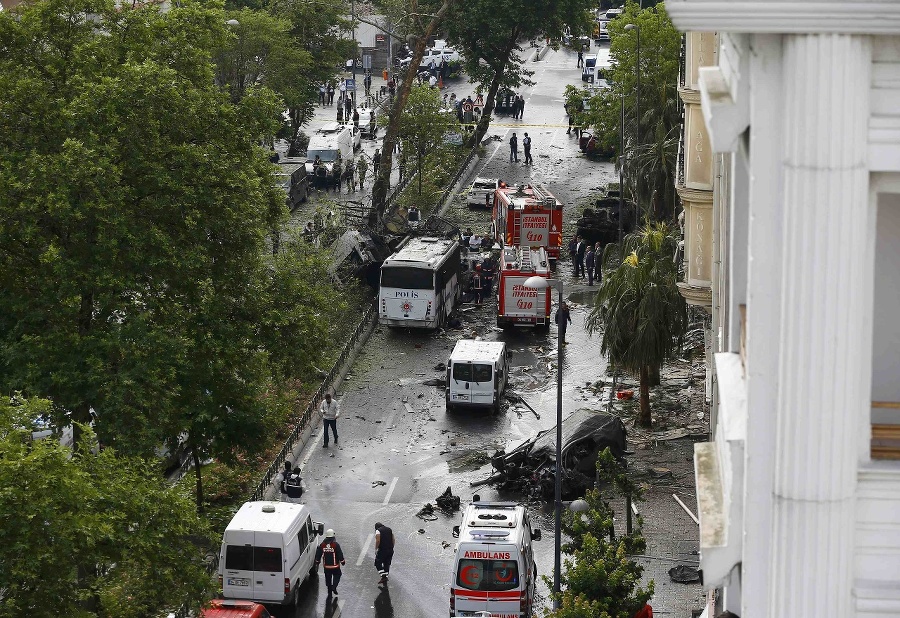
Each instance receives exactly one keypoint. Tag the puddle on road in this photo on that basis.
(583, 297)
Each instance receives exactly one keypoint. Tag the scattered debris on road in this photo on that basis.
(378, 483)
(447, 502)
(427, 513)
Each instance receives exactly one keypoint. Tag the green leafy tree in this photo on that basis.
(135, 287)
(318, 28)
(93, 534)
(423, 124)
(598, 519)
(489, 36)
(261, 51)
(600, 580)
(421, 21)
(642, 315)
(651, 162)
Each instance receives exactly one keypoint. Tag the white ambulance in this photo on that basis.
(477, 373)
(494, 569)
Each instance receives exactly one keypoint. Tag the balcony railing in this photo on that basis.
(886, 436)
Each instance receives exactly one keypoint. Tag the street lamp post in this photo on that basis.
(542, 283)
(637, 109)
(621, 171)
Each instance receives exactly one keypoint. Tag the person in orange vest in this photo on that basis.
(330, 554)
(477, 286)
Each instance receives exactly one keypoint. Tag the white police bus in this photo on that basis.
(420, 284)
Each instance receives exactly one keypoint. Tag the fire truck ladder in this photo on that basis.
(525, 261)
(517, 229)
(541, 308)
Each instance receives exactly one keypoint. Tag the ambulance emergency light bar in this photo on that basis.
(489, 534)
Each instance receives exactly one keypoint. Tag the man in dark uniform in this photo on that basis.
(384, 550)
(330, 554)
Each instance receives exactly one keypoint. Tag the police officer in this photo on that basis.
(284, 474)
(384, 550)
(330, 554)
(293, 485)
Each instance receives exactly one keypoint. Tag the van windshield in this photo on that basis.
(324, 155)
(248, 558)
(472, 372)
(407, 278)
(491, 575)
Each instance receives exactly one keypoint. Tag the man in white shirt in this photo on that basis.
(330, 413)
(432, 81)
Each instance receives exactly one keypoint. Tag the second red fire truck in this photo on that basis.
(528, 216)
(516, 303)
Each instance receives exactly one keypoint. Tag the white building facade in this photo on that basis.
(799, 492)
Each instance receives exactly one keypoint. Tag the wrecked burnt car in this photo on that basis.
(600, 222)
(530, 467)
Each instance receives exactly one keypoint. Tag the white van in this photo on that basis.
(330, 141)
(268, 551)
(477, 373)
(494, 569)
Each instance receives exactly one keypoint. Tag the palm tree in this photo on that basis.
(652, 167)
(642, 315)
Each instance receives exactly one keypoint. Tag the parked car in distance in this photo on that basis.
(436, 54)
(233, 608)
(368, 123)
(480, 189)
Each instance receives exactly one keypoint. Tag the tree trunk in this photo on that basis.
(654, 379)
(199, 478)
(485, 121)
(383, 173)
(644, 419)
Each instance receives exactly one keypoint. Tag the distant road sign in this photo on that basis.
(350, 83)
(379, 38)
(367, 61)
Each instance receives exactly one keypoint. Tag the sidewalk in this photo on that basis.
(662, 465)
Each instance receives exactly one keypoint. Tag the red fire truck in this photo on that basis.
(528, 216)
(517, 304)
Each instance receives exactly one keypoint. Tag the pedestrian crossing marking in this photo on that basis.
(387, 497)
(365, 548)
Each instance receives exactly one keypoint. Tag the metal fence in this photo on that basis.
(308, 414)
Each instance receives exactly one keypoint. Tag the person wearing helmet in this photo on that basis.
(330, 554)
(384, 550)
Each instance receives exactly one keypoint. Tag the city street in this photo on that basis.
(400, 449)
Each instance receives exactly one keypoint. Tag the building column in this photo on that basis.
(826, 98)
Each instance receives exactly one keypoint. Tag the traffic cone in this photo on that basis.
(440, 82)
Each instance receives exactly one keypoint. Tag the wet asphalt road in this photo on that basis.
(400, 449)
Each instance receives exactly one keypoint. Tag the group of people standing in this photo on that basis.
(586, 259)
(514, 149)
(518, 107)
